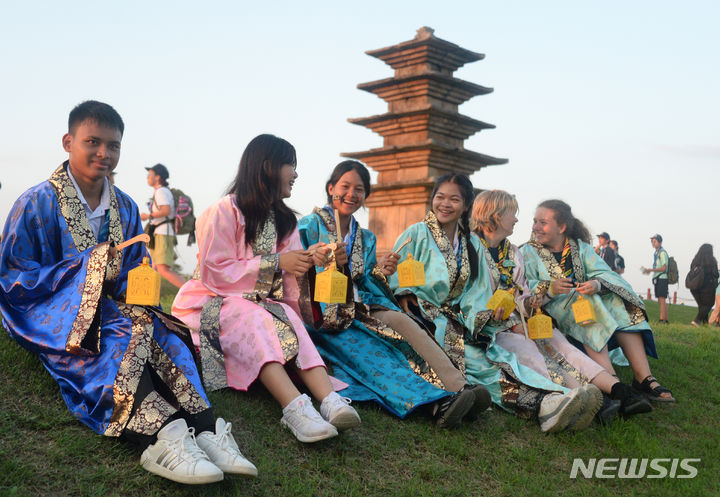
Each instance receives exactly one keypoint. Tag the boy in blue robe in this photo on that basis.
(123, 370)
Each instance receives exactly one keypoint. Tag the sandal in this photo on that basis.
(652, 393)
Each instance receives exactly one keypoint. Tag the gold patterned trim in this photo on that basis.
(150, 415)
(542, 287)
(189, 399)
(524, 400)
(454, 341)
(558, 367)
(457, 279)
(131, 367)
(141, 350)
(578, 267)
(356, 251)
(634, 306)
(377, 273)
(629, 297)
(486, 316)
(285, 331)
(419, 366)
(266, 278)
(85, 321)
(548, 260)
(481, 319)
(211, 353)
(338, 316)
(74, 213)
(309, 310)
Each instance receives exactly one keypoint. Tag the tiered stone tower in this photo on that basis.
(423, 131)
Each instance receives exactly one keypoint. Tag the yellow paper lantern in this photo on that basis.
(504, 299)
(411, 272)
(540, 326)
(143, 287)
(584, 312)
(331, 286)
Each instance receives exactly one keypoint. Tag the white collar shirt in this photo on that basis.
(97, 216)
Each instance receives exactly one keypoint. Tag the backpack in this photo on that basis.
(672, 271)
(695, 278)
(184, 215)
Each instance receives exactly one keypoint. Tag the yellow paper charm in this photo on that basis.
(411, 272)
(504, 299)
(540, 326)
(143, 287)
(584, 312)
(331, 286)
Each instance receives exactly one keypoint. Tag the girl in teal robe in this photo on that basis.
(560, 262)
(555, 357)
(366, 340)
(454, 300)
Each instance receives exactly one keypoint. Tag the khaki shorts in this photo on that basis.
(164, 251)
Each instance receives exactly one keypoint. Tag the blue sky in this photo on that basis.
(610, 106)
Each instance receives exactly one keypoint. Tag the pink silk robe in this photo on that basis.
(229, 268)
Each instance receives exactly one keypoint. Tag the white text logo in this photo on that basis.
(634, 468)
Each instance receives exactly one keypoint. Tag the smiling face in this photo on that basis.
(506, 223)
(94, 151)
(288, 174)
(448, 204)
(547, 231)
(348, 194)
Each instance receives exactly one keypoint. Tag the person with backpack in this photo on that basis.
(661, 265)
(161, 224)
(702, 281)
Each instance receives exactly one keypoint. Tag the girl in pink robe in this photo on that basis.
(242, 304)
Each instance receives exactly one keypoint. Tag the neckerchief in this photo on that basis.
(504, 263)
(567, 269)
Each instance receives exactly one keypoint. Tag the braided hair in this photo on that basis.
(468, 194)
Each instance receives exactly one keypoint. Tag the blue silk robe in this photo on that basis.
(617, 306)
(457, 307)
(62, 297)
(364, 352)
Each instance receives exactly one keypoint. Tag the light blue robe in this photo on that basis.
(364, 352)
(456, 305)
(617, 306)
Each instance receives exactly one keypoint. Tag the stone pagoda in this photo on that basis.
(423, 131)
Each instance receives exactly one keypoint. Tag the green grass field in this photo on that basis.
(45, 451)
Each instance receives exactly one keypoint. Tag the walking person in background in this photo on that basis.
(660, 275)
(619, 260)
(162, 225)
(702, 282)
(604, 250)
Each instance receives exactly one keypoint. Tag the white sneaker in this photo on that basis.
(592, 406)
(177, 457)
(336, 410)
(223, 451)
(300, 417)
(557, 410)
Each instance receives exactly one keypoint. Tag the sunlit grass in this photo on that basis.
(45, 451)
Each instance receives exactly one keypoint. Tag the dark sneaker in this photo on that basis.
(450, 411)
